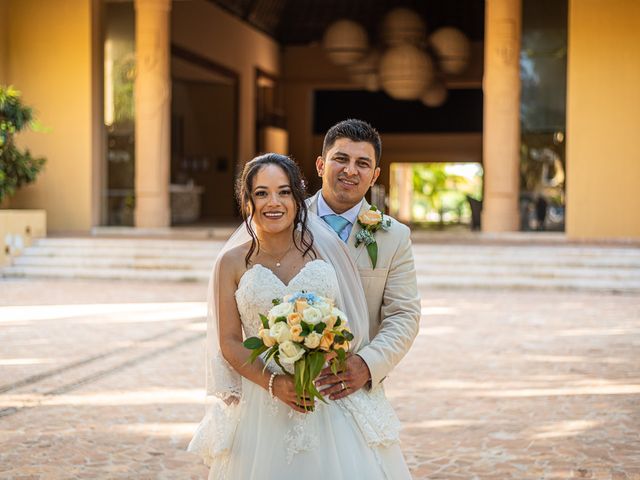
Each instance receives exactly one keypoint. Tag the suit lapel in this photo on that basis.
(312, 203)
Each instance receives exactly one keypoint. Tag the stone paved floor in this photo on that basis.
(103, 380)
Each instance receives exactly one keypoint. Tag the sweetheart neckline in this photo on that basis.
(285, 285)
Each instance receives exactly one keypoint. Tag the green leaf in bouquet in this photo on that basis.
(271, 352)
(347, 335)
(339, 338)
(256, 353)
(306, 328)
(299, 370)
(265, 321)
(314, 392)
(338, 322)
(253, 342)
(372, 249)
(281, 319)
(276, 301)
(320, 326)
(334, 367)
(316, 361)
(342, 355)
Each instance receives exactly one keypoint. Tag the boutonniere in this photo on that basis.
(371, 221)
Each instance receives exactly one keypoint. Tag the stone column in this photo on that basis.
(153, 113)
(501, 138)
(404, 172)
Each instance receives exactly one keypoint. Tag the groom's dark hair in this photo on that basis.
(356, 131)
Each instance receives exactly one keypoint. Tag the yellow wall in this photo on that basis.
(3, 41)
(205, 29)
(603, 119)
(49, 60)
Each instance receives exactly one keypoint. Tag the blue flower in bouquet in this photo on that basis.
(311, 298)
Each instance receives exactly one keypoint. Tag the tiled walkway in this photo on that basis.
(104, 380)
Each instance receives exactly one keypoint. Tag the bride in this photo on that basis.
(254, 427)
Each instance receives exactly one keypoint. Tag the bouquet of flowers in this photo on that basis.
(299, 333)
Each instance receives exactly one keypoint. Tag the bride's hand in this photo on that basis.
(285, 391)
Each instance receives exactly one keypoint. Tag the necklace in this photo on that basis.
(279, 260)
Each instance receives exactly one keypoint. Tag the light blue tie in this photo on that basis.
(337, 222)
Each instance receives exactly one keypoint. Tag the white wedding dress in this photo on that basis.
(354, 438)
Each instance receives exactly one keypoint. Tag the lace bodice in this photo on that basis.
(259, 286)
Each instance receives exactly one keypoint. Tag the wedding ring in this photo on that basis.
(344, 387)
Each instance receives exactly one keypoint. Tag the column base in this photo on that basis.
(500, 215)
(152, 212)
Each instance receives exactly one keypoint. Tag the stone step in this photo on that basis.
(124, 252)
(177, 275)
(536, 271)
(455, 267)
(136, 262)
(423, 254)
(536, 266)
(123, 242)
(424, 280)
(452, 257)
(522, 283)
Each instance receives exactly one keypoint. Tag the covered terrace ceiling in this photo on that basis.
(300, 22)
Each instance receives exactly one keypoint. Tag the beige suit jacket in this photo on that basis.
(392, 295)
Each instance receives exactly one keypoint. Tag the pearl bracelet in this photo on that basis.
(271, 379)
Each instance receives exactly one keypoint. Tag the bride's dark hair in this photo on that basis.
(244, 186)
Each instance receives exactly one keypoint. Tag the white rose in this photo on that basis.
(312, 340)
(339, 313)
(312, 315)
(281, 310)
(324, 307)
(280, 332)
(290, 352)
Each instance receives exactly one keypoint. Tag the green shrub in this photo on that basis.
(17, 168)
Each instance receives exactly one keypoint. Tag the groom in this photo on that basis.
(349, 166)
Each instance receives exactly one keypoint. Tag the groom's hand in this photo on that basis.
(353, 378)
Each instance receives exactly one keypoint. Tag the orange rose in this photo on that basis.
(296, 330)
(330, 321)
(301, 305)
(326, 341)
(267, 339)
(294, 319)
(370, 218)
(344, 346)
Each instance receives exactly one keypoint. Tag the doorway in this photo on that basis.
(204, 138)
(437, 195)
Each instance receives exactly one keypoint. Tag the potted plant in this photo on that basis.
(17, 167)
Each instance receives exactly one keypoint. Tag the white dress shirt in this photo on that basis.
(351, 215)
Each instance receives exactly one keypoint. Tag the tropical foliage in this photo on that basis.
(440, 192)
(17, 167)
